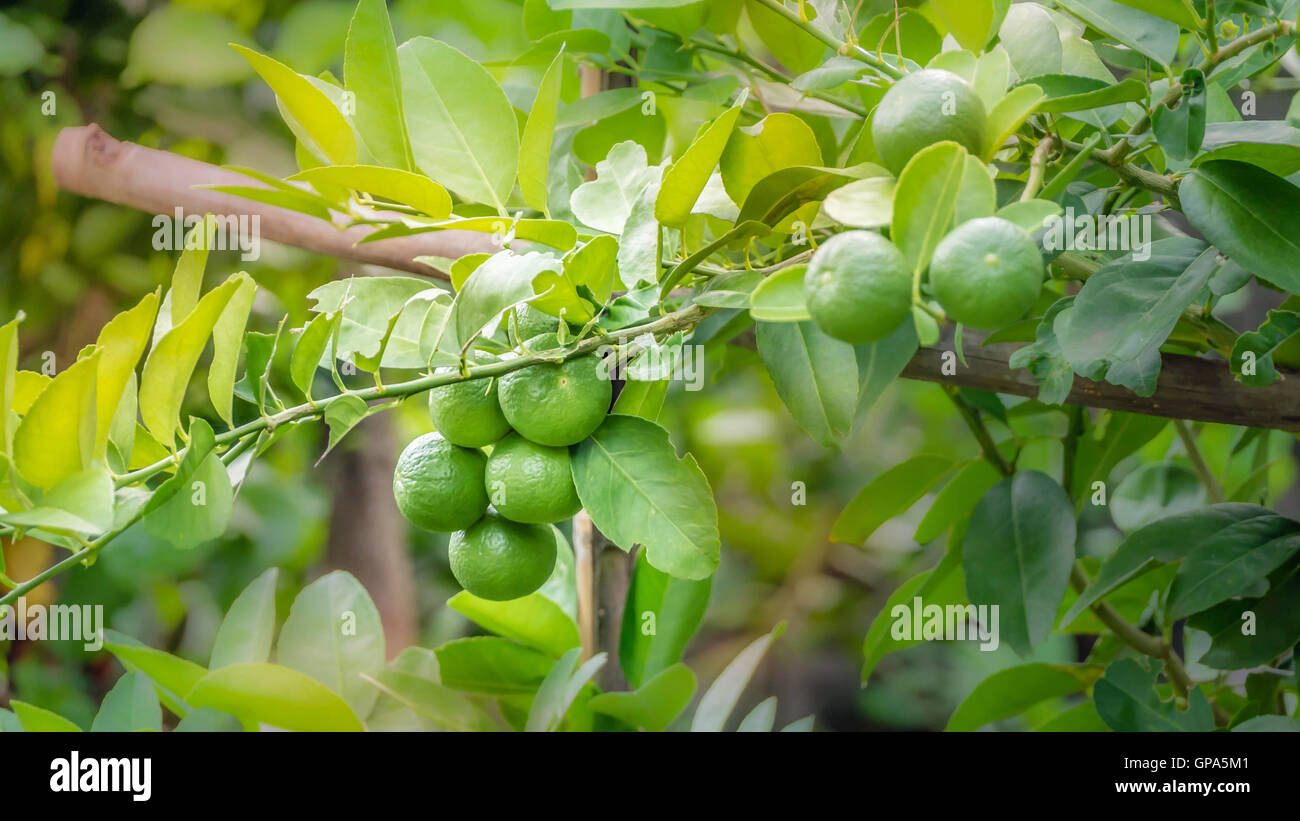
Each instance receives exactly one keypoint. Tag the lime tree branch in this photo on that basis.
(245, 436)
(1119, 151)
(773, 74)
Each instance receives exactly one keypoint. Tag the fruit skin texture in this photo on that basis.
(917, 112)
(556, 404)
(439, 486)
(986, 273)
(499, 560)
(858, 287)
(467, 413)
(530, 483)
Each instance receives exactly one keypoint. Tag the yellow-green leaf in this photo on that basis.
(415, 190)
(276, 695)
(686, 178)
(539, 132)
(122, 343)
(1008, 115)
(57, 436)
(8, 371)
(171, 363)
(309, 106)
(227, 339)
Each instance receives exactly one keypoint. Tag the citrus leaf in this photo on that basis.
(660, 615)
(686, 178)
(539, 133)
(925, 201)
(130, 706)
(56, 437)
(415, 190)
(463, 129)
(1010, 692)
(370, 71)
(720, 699)
(276, 695)
(245, 633)
(323, 124)
(533, 620)
(888, 495)
(637, 491)
(1017, 555)
(655, 704)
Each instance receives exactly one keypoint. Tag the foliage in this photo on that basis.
(681, 213)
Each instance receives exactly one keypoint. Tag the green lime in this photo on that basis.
(530, 322)
(924, 108)
(438, 485)
(528, 482)
(986, 273)
(556, 403)
(498, 559)
(858, 287)
(467, 413)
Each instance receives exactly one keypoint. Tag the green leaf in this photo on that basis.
(720, 699)
(121, 342)
(942, 586)
(227, 337)
(369, 305)
(814, 374)
(1008, 114)
(865, 203)
(324, 127)
(131, 706)
(1045, 360)
(776, 142)
(415, 190)
(606, 202)
(686, 178)
(559, 689)
(638, 491)
(245, 633)
(1153, 492)
(880, 363)
(1273, 145)
(310, 349)
(504, 280)
(1106, 445)
(1180, 131)
(794, 47)
(779, 297)
(1010, 692)
(199, 511)
(1268, 724)
(333, 634)
(780, 194)
(433, 701)
(342, 416)
(56, 437)
(463, 129)
(493, 666)
(1127, 701)
(370, 71)
(533, 620)
(170, 364)
(1081, 718)
(37, 720)
(1252, 354)
(201, 444)
(184, 46)
(1232, 563)
(926, 200)
(956, 499)
(1031, 40)
(1128, 308)
(1017, 555)
(172, 676)
(644, 399)
(81, 503)
(660, 615)
(8, 375)
(970, 22)
(1272, 629)
(1242, 209)
(1181, 12)
(539, 132)
(888, 495)
(1069, 92)
(1156, 38)
(276, 695)
(654, 705)
(1160, 542)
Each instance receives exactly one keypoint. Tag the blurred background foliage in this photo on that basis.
(161, 74)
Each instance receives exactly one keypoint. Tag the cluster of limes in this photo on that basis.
(499, 505)
(985, 273)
